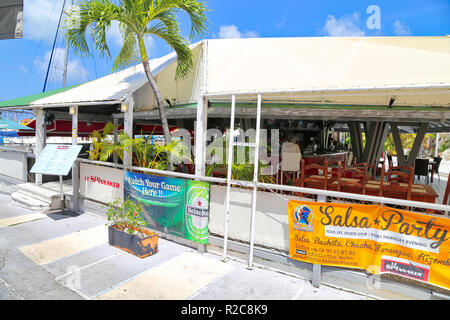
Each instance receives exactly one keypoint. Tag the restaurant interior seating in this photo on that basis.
(357, 182)
(401, 174)
(382, 180)
(374, 186)
(421, 168)
(349, 160)
(334, 176)
(447, 192)
(290, 165)
(435, 169)
(390, 163)
(399, 183)
(314, 181)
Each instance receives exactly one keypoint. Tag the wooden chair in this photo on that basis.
(357, 182)
(375, 187)
(334, 176)
(319, 181)
(373, 170)
(390, 162)
(401, 174)
(421, 168)
(399, 183)
(447, 192)
(361, 166)
(435, 168)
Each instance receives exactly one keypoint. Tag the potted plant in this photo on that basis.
(127, 230)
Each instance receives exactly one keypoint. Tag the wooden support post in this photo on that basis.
(371, 136)
(417, 144)
(356, 138)
(40, 138)
(380, 146)
(76, 165)
(398, 145)
(200, 136)
(436, 149)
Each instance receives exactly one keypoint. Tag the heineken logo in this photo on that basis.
(197, 212)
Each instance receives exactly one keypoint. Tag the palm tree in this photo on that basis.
(137, 19)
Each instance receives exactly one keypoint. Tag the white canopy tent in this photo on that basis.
(353, 71)
(350, 70)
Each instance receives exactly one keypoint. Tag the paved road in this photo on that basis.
(50, 256)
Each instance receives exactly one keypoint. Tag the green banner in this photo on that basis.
(177, 206)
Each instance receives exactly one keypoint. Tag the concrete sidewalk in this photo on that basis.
(51, 256)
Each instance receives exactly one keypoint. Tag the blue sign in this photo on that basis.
(56, 159)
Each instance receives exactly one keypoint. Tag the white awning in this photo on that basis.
(110, 89)
(364, 71)
(353, 70)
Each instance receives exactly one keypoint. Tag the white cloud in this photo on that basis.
(346, 26)
(23, 69)
(281, 23)
(401, 29)
(40, 19)
(114, 37)
(232, 32)
(75, 69)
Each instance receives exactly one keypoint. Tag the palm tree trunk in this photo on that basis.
(162, 110)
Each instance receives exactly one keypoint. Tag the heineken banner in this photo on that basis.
(177, 206)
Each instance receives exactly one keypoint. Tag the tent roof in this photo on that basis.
(336, 69)
(348, 71)
(110, 89)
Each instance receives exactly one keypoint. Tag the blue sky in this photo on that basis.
(23, 62)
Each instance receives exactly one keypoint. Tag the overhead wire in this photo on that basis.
(32, 61)
(53, 47)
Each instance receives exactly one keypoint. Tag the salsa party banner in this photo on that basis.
(177, 206)
(371, 237)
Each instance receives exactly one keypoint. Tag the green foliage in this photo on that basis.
(137, 19)
(148, 155)
(100, 142)
(144, 154)
(126, 216)
(444, 142)
(241, 169)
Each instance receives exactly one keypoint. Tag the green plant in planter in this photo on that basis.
(126, 216)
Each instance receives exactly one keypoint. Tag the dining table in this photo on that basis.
(419, 192)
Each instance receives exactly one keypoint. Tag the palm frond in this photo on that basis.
(180, 45)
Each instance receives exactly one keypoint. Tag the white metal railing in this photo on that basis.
(316, 269)
(261, 185)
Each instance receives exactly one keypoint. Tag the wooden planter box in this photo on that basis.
(132, 243)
